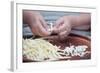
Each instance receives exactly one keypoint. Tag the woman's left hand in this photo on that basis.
(62, 27)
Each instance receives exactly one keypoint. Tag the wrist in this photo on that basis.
(69, 20)
(74, 20)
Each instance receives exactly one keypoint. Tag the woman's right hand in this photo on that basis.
(36, 22)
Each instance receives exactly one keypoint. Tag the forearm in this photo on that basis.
(78, 20)
(29, 17)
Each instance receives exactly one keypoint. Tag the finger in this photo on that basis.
(63, 27)
(57, 25)
(66, 26)
(66, 31)
(58, 22)
(43, 22)
(63, 35)
(34, 29)
(42, 30)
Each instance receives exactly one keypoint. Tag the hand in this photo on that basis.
(62, 27)
(36, 22)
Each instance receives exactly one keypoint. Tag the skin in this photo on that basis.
(64, 24)
(36, 22)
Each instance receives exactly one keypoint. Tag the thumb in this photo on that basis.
(57, 25)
